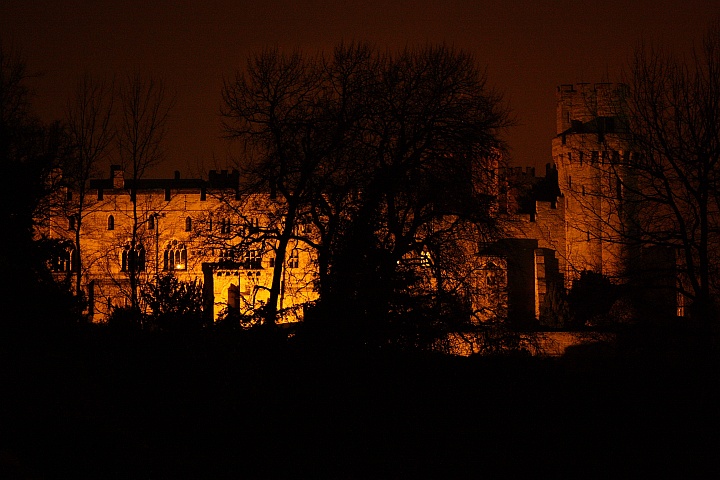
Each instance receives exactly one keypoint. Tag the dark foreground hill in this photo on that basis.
(92, 404)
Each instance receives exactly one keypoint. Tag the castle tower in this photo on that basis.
(587, 150)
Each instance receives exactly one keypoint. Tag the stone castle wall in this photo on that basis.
(586, 150)
(185, 231)
(554, 227)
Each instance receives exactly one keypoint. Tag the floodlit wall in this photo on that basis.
(588, 150)
(187, 232)
(574, 223)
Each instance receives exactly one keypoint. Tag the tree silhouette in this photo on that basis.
(144, 106)
(673, 111)
(291, 122)
(388, 158)
(426, 152)
(174, 304)
(645, 157)
(88, 121)
(30, 153)
(591, 297)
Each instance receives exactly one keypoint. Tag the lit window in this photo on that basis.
(111, 223)
(253, 259)
(225, 225)
(132, 259)
(175, 256)
(226, 255)
(294, 259)
(63, 261)
(302, 227)
(425, 259)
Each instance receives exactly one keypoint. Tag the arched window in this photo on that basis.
(494, 276)
(63, 261)
(111, 222)
(132, 259)
(151, 222)
(175, 256)
(188, 224)
(71, 222)
(225, 225)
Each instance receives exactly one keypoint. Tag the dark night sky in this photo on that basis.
(529, 47)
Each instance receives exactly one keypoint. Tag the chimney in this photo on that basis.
(117, 176)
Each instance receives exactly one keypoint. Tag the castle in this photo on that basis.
(555, 227)
(184, 228)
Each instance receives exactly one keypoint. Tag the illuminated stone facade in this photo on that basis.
(581, 212)
(587, 148)
(555, 227)
(184, 227)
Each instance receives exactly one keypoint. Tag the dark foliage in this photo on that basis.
(174, 304)
(125, 319)
(29, 153)
(590, 299)
(384, 156)
(93, 404)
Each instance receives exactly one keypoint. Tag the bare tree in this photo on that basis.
(282, 110)
(144, 106)
(30, 152)
(377, 153)
(425, 148)
(88, 120)
(674, 123)
(659, 197)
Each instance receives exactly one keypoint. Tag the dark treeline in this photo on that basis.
(98, 404)
(29, 151)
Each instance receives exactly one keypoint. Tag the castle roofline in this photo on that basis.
(216, 180)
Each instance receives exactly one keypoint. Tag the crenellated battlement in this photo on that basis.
(582, 103)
